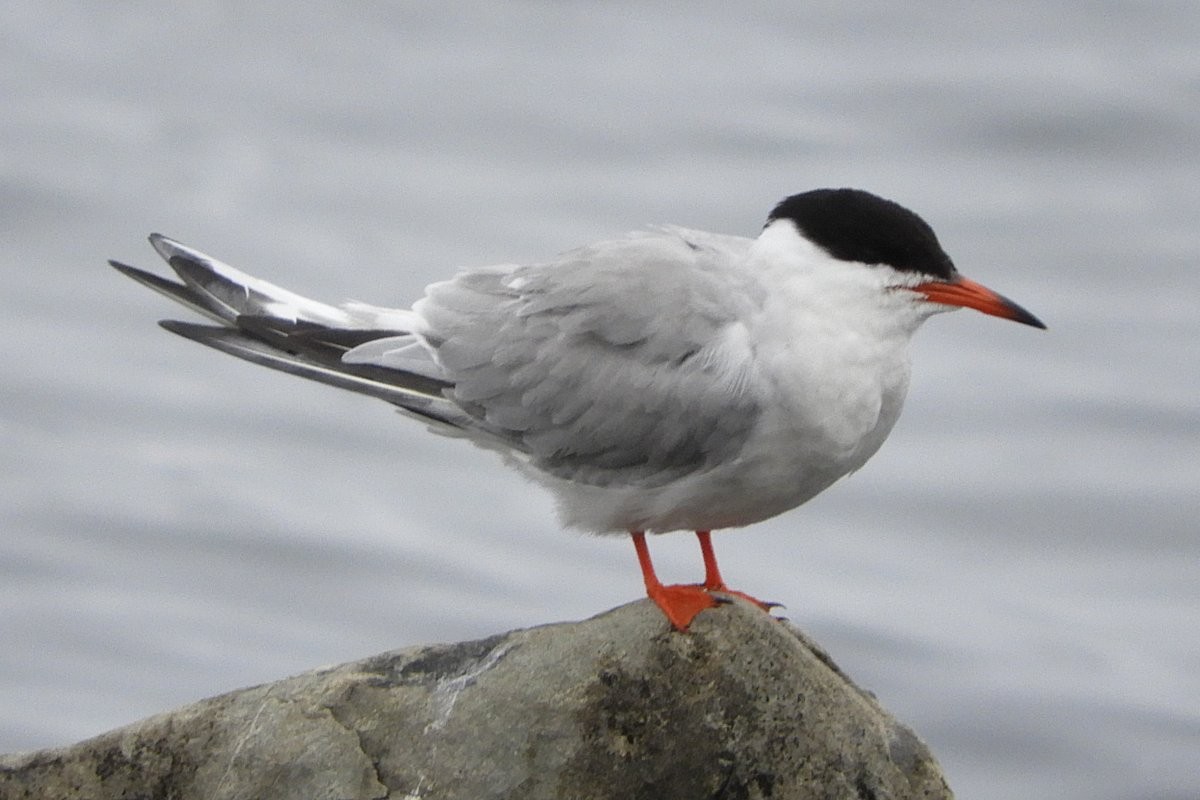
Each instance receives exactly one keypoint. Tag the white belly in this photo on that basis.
(791, 457)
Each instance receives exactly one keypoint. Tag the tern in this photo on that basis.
(670, 379)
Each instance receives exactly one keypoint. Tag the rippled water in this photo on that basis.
(1016, 574)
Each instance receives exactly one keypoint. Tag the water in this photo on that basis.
(1015, 574)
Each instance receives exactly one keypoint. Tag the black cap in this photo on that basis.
(853, 225)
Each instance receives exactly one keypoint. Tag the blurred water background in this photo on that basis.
(1016, 574)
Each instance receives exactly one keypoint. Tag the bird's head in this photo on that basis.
(857, 227)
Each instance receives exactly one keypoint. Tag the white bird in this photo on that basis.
(671, 379)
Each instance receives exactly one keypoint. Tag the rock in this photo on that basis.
(617, 706)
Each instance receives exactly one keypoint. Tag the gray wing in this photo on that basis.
(619, 363)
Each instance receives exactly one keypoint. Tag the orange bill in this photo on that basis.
(959, 291)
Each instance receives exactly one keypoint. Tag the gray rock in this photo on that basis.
(617, 706)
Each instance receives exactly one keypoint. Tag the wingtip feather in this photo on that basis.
(163, 245)
(195, 331)
(156, 282)
(125, 269)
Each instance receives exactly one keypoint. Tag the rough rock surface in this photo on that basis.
(617, 706)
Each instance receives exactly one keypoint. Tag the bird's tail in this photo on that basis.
(265, 324)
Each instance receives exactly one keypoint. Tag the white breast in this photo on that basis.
(829, 368)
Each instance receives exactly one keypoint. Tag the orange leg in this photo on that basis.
(681, 603)
(713, 581)
(712, 573)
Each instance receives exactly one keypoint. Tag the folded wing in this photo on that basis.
(617, 364)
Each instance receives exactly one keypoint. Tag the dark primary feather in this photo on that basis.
(301, 347)
(237, 342)
(180, 293)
